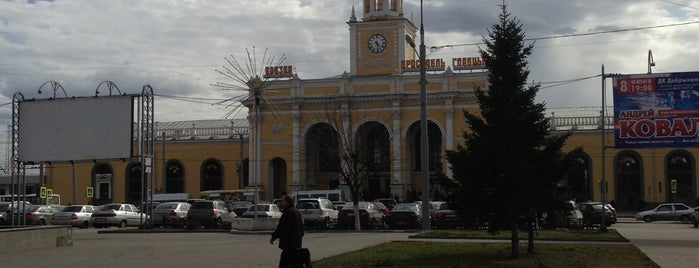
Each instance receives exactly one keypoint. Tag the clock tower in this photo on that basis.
(377, 42)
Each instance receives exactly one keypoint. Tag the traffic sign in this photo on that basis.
(49, 193)
(673, 186)
(42, 192)
(90, 192)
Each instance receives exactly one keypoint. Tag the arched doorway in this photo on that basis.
(134, 188)
(374, 151)
(629, 180)
(102, 184)
(211, 175)
(174, 178)
(579, 177)
(434, 136)
(413, 154)
(679, 166)
(322, 156)
(277, 178)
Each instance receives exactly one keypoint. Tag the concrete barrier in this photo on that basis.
(31, 238)
(261, 224)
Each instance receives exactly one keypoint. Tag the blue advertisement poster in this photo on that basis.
(656, 110)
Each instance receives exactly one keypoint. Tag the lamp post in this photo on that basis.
(424, 145)
(651, 61)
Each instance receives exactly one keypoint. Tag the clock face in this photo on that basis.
(377, 43)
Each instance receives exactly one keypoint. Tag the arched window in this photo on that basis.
(277, 177)
(174, 177)
(679, 166)
(628, 180)
(134, 188)
(211, 175)
(322, 155)
(579, 177)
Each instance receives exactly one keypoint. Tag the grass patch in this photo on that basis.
(549, 235)
(451, 254)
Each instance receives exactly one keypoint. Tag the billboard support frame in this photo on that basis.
(146, 149)
(17, 167)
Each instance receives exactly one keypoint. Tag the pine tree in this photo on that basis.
(509, 163)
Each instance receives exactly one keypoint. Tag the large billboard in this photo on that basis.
(74, 129)
(656, 110)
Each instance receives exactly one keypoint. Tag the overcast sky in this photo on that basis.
(176, 45)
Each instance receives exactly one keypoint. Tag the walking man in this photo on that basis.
(290, 234)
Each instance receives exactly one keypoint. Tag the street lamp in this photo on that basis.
(424, 145)
(651, 61)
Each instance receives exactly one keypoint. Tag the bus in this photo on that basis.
(55, 199)
(231, 195)
(332, 195)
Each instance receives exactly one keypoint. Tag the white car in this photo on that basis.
(669, 211)
(120, 215)
(76, 215)
(263, 211)
(318, 212)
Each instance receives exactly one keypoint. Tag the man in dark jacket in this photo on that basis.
(290, 234)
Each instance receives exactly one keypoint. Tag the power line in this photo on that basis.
(435, 48)
(679, 4)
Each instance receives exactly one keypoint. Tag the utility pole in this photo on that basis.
(424, 145)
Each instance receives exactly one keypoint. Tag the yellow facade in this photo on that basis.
(379, 103)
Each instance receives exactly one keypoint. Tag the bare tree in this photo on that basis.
(357, 158)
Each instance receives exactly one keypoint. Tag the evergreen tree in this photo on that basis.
(510, 163)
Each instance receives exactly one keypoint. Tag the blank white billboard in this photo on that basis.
(75, 129)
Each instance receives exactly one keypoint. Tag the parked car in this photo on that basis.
(446, 218)
(370, 216)
(405, 215)
(668, 211)
(171, 214)
(35, 214)
(339, 204)
(695, 217)
(592, 214)
(319, 212)
(4, 208)
(75, 215)
(388, 202)
(240, 207)
(120, 215)
(210, 214)
(263, 211)
(385, 210)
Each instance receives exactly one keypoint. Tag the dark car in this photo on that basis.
(210, 214)
(370, 216)
(446, 218)
(405, 215)
(592, 214)
(388, 202)
(240, 207)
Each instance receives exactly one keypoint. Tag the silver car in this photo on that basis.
(120, 215)
(77, 215)
(170, 214)
(317, 212)
(210, 214)
(669, 211)
(263, 211)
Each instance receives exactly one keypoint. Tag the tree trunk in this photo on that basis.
(515, 238)
(530, 243)
(357, 218)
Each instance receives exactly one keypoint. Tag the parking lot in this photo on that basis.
(188, 249)
(668, 244)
